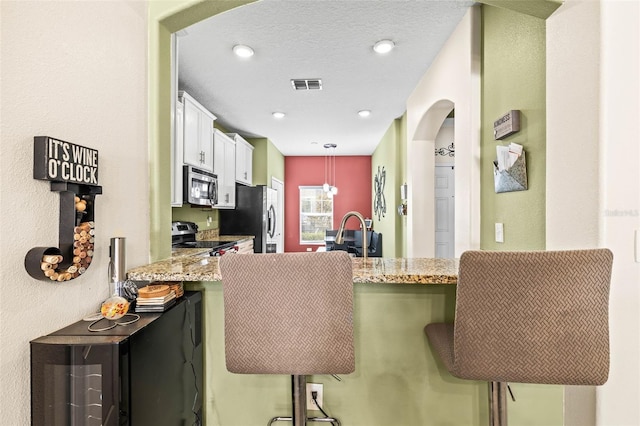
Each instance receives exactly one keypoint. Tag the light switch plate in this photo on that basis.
(499, 233)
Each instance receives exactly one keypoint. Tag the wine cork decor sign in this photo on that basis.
(73, 172)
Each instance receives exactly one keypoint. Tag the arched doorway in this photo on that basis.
(444, 187)
(421, 176)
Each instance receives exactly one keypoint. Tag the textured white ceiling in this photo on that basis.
(330, 40)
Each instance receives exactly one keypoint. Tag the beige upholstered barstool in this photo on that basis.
(528, 317)
(289, 313)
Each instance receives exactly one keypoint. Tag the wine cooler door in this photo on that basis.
(76, 380)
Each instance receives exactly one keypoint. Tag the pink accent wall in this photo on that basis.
(353, 179)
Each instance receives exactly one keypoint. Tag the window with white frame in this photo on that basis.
(316, 214)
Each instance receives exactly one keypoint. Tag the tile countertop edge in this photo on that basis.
(375, 271)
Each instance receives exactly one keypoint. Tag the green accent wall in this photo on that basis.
(397, 381)
(196, 214)
(390, 155)
(268, 161)
(513, 77)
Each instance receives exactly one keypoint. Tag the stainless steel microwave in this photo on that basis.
(200, 187)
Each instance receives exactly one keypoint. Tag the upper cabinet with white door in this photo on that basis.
(224, 166)
(244, 160)
(198, 133)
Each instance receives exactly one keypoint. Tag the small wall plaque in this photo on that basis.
(506, 125)
(59, 161)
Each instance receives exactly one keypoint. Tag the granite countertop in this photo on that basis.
(194, 265)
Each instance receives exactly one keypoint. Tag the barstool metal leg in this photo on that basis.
(299, 400)
(299, 405)
(498, 404)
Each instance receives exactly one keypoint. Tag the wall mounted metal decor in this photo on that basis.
(449, 151)
(379, 202)
(73, 172)
(510, 168)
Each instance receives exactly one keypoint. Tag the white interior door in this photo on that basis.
(278, 185)
(445, 211)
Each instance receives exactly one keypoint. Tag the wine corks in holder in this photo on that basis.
(83, 243)
(49, 266)
(83, 240)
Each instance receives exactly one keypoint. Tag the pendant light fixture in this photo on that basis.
(329, 185)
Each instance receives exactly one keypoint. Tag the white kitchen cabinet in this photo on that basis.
(224, 166)
(244, 160)
(177, 156)
(198, 133)
(245, 246)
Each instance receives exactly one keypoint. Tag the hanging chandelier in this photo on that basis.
(329, 185)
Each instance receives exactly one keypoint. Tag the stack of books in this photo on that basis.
(178, 288)
(155, 298)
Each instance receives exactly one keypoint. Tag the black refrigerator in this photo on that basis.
(146, 373)
(255, 214)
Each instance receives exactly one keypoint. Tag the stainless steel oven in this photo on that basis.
(183, 235)
(200, 187)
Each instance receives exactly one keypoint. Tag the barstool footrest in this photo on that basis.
(324, 419)
(279, 419)
(309, 419)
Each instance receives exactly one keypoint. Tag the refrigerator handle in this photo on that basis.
(271, 230)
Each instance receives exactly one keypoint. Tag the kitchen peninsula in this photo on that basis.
(397, 381)
(194, 265)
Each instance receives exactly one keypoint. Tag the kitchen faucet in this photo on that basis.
(339, 236)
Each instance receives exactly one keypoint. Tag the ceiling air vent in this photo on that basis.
(307, 84)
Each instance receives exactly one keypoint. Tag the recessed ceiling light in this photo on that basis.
(384, 46)
(364, 113)
(243, 51)
(278, 114)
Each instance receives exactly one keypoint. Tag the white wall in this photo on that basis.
(593, 183)
(573, 153)
(75, 71)
(453, 80)
(620, 206)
